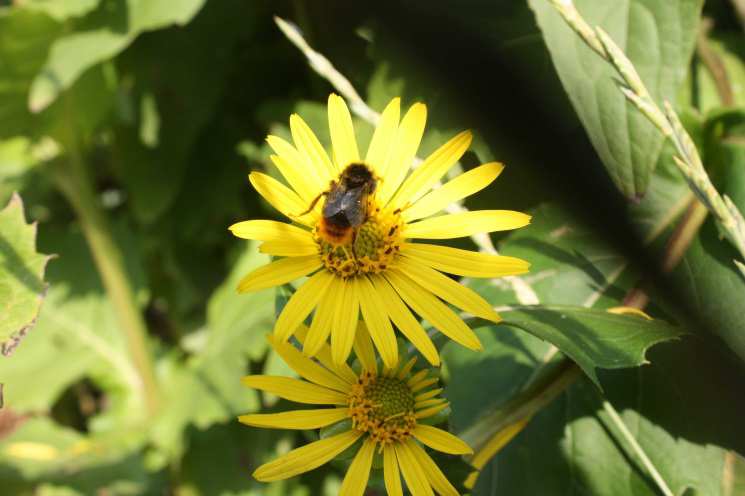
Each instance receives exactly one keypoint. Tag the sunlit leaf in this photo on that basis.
(22, 286)
(658, 36)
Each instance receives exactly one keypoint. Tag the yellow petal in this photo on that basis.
(282, 198)
(408, 137)
(428, 412)
(446, 288)
(428, 395)
(269, 230)
(420, 405)
(391, 473)
(464, 262)
(433, 473)
(342, 132)
(629, 311)
(306, 458)
(431, 170)
(413, 473)
(297, 419)
(363, 348)
(289, 248)
(424, 384)
(323, 356)
(405, 321)
(377, 322)
(461, 187)
(278, 273)
(296, 169)
(301, 304)
(345, 323)
(417, 378)
(406, 369)
(320, 328)
(309, 147)
(384, 137)
(307, 368)
(466, 223)
(295, 390)
(440, 440)
(355, 481)
(434, 311)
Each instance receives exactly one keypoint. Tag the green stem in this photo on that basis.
(75, 183)
(621, 426)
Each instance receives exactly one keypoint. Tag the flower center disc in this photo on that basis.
(372, 248)
(383, 407)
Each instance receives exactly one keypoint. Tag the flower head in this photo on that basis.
(383, 409)
(352, 235)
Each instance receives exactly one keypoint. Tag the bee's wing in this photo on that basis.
(354, 205)
(334, 203)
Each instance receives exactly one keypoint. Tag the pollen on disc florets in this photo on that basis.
(383, 407)
(372, 250)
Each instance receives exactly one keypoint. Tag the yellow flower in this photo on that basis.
(383, 410)
(377, 271)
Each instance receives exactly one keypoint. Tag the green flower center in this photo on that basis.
(370, 249)
(383, 407)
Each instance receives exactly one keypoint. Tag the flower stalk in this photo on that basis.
(75, 183)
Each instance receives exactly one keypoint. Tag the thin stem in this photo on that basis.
(76, 185)
(619, 423)
(714, 64)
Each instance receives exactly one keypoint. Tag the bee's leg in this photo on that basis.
(313, 203)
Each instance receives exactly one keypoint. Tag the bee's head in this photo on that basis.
(356, 175)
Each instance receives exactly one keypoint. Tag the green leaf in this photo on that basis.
(206, 389)
(658, 36)
(572, 447)
(25, 37)
(45, 458)
(22, 286)
(61, 11)
(593, 338)
(102, 37)
(174, 103)
(570, 263)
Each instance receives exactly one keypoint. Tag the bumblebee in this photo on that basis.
(345, 208)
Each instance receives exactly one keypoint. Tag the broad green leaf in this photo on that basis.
(214, 465)
(509, 358)
(570, 263)
(658, 36)
(22, 286)
(206, 389)
(40, 457)
(78, 321)
(102, 38)
(593, 338)
(25, 37)
(60, 11)
(175, 128)
(572, 447)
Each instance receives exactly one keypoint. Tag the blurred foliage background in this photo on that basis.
(128, 128)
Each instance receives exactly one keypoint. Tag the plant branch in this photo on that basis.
(631, 440)
(714, 64)
(76, 185)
